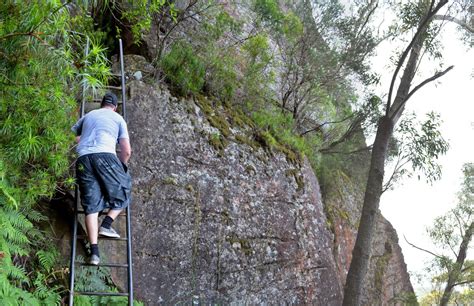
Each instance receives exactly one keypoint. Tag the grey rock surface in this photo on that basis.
(387, 281)
(235, 228)
(241, 226)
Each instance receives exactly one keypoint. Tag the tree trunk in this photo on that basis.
(453, 275)
(373, 190)
(361, 252)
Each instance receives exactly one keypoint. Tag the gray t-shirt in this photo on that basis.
(100, 130)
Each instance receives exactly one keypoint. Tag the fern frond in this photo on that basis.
(15, 248)
(47, 259)
(17, 273)
(53, 298)
(83, 300)
(13, 296)
(17, 219)
(12, 235)
(34, 215)
(41, 291)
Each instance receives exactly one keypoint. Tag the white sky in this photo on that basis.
(413, 206)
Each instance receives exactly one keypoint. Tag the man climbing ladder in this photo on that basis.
(102, 177)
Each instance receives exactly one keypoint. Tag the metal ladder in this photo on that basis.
(75, 236)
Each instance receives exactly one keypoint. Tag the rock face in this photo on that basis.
(217, 218)
(387, 281)
(245, 226)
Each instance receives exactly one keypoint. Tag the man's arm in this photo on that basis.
(125, 150)
(77, 128)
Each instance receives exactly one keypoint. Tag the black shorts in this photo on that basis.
(104, 182)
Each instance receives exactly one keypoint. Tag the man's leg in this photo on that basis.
(91, 200)
(106, 226)
(113, 213)
(92, 225)
(93, 232)
(116, 185)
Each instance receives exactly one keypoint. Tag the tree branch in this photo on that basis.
(370, 13)
(323, 124)
(33, 34)
(405, 53)
(469, 281)
(368, 148)
(351, 130)
(460, 223)
(467, 268)
(459, 22)
(421, 249)
(182, 17)
(396, 170)
(452, 249)
(434, 77)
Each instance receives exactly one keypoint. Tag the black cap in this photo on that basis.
(109, 98)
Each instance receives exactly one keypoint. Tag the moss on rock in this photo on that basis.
(296, 173)
(247, 140)
(170, 181)
(292, 156)
(222, 115)
(243, 243)
(216, 119)
(381, 265)
(218, 142)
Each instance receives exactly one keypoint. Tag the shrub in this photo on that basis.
(40, 70)
(183, 69)
(278, 127)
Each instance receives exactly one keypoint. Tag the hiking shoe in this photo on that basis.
(94, 260)
(108, 232)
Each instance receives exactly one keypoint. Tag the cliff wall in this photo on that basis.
(238, 225)
(220, 217)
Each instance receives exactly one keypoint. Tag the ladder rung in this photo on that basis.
(113, 87)
(83, 212)
(111, 265)
(102, 238)
(101, 293)
(100, 101)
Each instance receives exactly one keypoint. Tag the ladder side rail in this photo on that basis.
(122, 78)
(128, 222)
(73, 247)
(129, 259)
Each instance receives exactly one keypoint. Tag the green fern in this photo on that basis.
(97, 279)
(48, 295)
(34, 215)
(47, 259)
(6, 192)
(39, 78)
(16, 273)
(12, 296)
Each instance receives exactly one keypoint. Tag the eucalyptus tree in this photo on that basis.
(419, 16)
(415, 148)
(452, 234)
